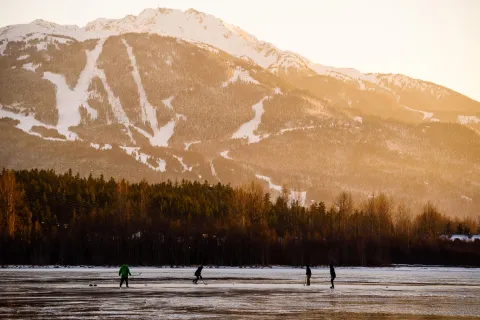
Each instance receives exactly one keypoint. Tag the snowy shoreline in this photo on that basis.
(86, 267)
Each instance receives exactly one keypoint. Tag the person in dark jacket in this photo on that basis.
(124, 272)
(198, 274)
(309, 274)
(332, 275)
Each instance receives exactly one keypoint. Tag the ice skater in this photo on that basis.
(124, 272)
(332, 275)
(198, 274)
(309, 274)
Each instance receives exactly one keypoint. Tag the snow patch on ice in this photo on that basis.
(240, 74)
(247, 129)
(185, 167)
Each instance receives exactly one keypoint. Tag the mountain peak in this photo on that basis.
(196, 12)
(198, 27)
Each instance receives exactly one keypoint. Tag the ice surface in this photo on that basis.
(233, 293)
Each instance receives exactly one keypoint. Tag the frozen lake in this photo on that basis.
(234, 293)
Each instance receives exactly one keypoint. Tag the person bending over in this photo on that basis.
(198, 274)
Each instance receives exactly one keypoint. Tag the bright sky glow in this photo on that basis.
(434, 40)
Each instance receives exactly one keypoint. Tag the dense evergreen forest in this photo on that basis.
(49, 218)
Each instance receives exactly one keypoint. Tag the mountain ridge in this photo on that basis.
(263, 54)
(165, 106)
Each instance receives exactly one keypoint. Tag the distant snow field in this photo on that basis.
(225, 155)
(468, 119)
(242, 75)
(247, 129)
(146, 159)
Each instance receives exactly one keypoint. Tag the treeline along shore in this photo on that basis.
(49, 218)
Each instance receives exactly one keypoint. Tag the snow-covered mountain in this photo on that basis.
(201, 28)
(170, 94)
(190, 25)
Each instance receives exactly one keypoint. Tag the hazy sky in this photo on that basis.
(434, 40)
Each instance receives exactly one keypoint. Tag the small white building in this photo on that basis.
(475, 237)
(460, 237)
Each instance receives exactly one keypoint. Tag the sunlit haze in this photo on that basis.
(433, 40)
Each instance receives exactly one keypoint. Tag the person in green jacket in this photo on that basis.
(124, 272)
